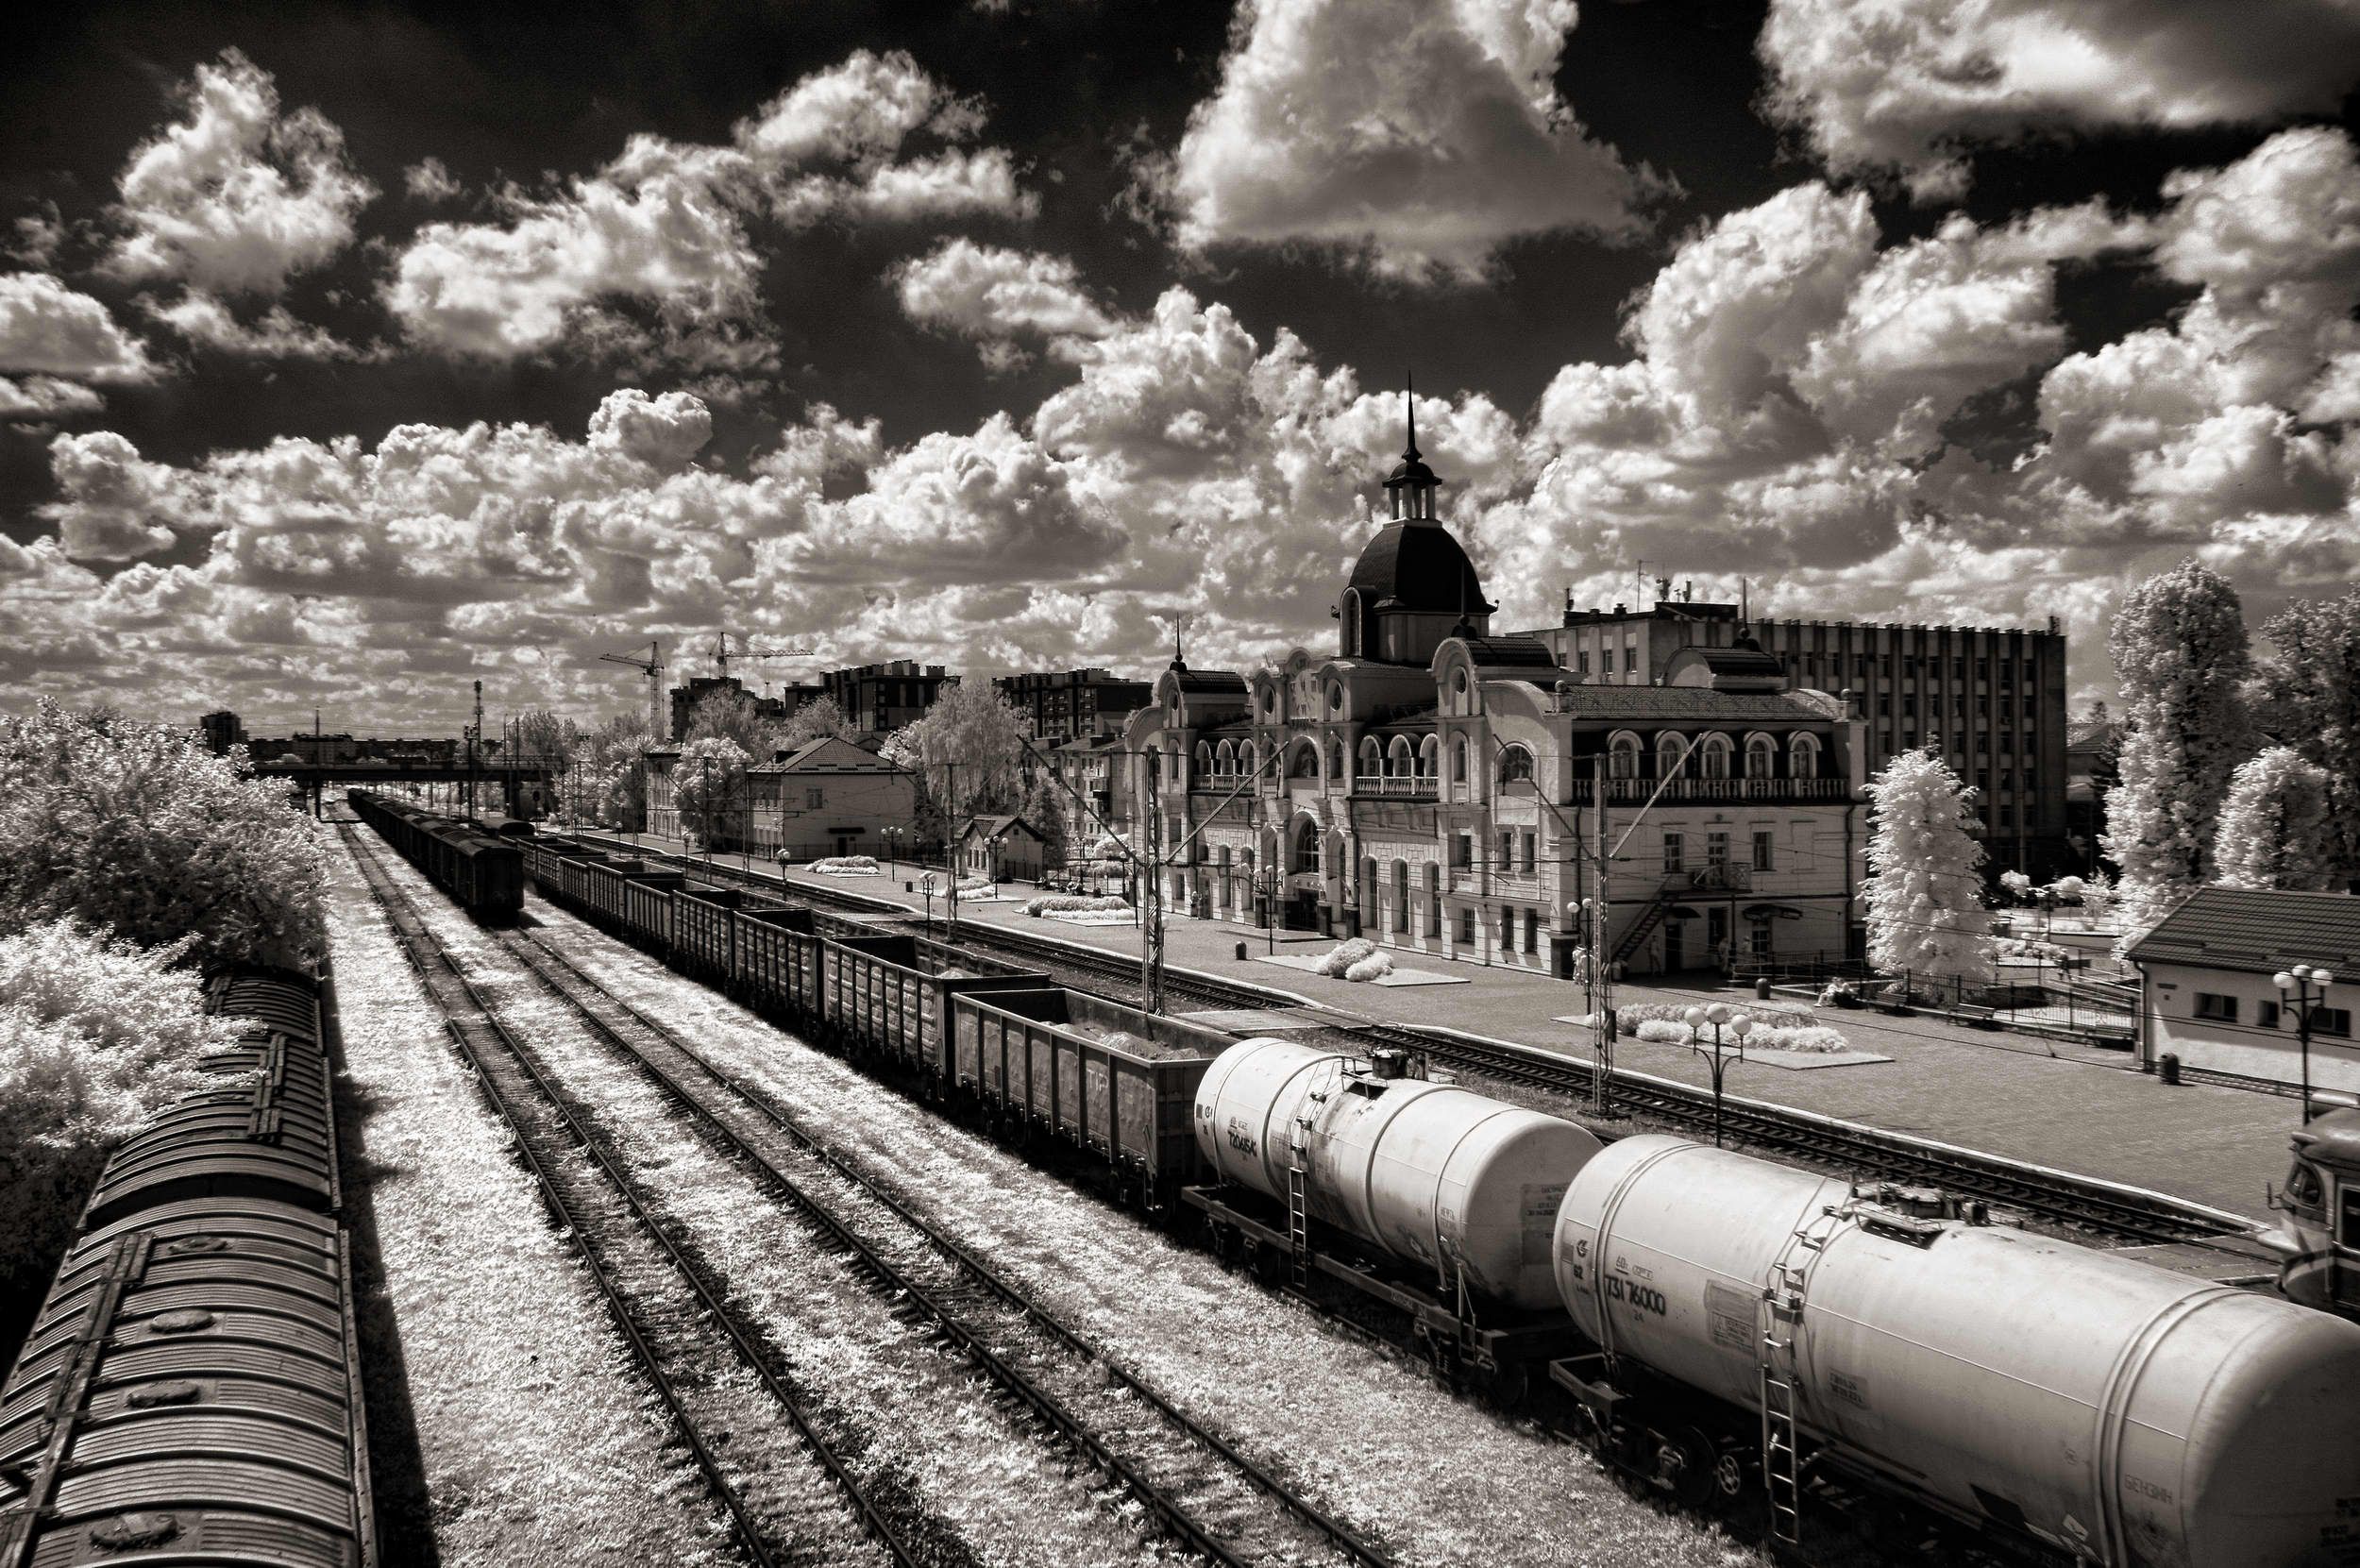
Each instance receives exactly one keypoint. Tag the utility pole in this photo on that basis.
(1602, 981)
(1151, 907)
(475, 748)
(949, 852)
(318, 775)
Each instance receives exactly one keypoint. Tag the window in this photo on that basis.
(2348, 1219)
(2306, 1191)
(1757, 939)
(2265, 1015)
(1507, 931)
(2332, 1020)
(2007, 817)
(1459, 760)
(815, 798)
(1532, 931)
(1717, 851)
(1508, 851)
(1466, 928)
(1760, 757)
(1766, 851)
(1622, 757)
(1630, 658)
(1530, 845)
(1515, 766)
(1802, 756)
(1672, 862)
(1581, 666)
(1712, 756)
(2215, 1009)
(1462, 850)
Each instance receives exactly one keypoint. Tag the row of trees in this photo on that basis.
(2204, 795)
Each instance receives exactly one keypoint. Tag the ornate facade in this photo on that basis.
(1442, 789)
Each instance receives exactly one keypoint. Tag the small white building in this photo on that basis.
(2207, 994)
(1001, 846)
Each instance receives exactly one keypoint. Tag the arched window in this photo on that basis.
(1516, 769)
(1372, 758)
(1802, 756)
(1351, 617)
(1712, 756)
(1622, 756)
(1334, 758)
(1305, 763)
(1459, 760)
(1761, 756)
(1225, 758)
(1203, 759)
(1249, 760)
(1400, 761)
(1669, 748)
(1429, 757)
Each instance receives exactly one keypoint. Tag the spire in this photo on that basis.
(1409, 401)
(1179, 625)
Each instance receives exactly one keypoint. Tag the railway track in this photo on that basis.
(676, 1321)
(2058, 1196)
(1203, 1492)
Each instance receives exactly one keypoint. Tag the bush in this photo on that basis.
(1345, 954)
(138, 828)
(96, 1036)
(1377, 966)
(974, 887)
(1060, 903)
(847, 866)
(1665, 1032)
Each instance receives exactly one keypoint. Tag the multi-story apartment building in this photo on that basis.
(885, 697)
(221, 731)
(1058, 705)
(1439, 789)
(1991, 702)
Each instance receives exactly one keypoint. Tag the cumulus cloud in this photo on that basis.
(274, 335)
(56, 339)
(995, 297)
(650, 260)
(1912, 84)
(430, 180)
(110, 500)
(663, 433)
(236, 198)
(1421, 136)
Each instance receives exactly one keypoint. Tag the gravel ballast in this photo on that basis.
(539, 1442)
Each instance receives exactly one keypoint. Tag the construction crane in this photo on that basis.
(721, 654)
(659, 732)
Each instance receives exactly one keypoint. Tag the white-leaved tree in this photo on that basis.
(97, 1034)
(708, 787)
(138, 826)
(2274, 825)
(1925, 891)
(2180, 655)
(967, 753)
(822, 717)
(2311, 687)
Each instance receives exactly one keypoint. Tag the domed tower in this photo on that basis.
(1413, 585)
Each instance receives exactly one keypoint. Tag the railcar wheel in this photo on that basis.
(1731, 1478)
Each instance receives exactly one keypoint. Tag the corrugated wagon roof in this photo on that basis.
(2258, 932)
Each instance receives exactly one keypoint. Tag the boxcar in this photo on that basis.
(1118, 1083)
(648, 910)
(776, 963)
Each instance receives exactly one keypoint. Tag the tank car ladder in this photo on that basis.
(1298, 1189)
(1782, 1444)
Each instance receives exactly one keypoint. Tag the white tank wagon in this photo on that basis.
(1459, 1190)
(2126, 1415)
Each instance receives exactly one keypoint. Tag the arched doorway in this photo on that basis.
(1305, 883)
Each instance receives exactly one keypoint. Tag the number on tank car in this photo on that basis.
(1639, 1298)
(1242, 1136)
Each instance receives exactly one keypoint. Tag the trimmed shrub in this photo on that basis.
(1377, 966)
(847, 866)
(1061, 904)
(1345, 955)
(1665, 1032)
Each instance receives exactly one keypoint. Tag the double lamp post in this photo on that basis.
(2303, 987)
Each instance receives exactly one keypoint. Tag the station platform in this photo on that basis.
(2071, 1107)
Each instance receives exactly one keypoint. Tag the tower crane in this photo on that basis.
(721, 654)
(659, 732)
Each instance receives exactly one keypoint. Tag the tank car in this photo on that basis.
(2113, 1410)
(1452, 1192)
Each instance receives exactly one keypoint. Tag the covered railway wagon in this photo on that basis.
(482, 872)
(190, 1390)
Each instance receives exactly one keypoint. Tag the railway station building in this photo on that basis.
(1441, 788)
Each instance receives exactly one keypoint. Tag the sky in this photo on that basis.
(350, 354)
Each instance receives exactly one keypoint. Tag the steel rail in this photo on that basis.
(418, 942)
(895, 1280)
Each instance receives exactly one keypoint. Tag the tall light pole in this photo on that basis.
(2303, 987)
(1717, 1018)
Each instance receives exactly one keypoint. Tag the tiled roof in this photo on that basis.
(1210, 680)
(2258, 933)
(1515, 650)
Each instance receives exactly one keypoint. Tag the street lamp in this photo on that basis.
(893, 839)
(2303, 987)
(1717, 1017)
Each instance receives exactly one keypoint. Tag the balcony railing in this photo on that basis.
(1635, 792)
(1710, 879)
(1409, 787)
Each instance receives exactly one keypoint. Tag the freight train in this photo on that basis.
(191, 1389)
(1722, 1327)
(482, 870)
